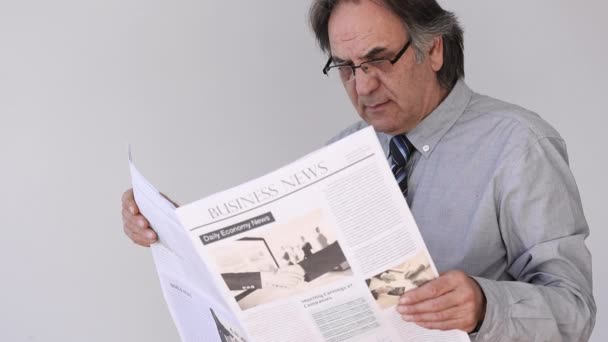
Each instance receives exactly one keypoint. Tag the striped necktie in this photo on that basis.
(400, 149)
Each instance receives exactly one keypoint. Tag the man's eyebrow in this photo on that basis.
(339, 61)
(373, 53)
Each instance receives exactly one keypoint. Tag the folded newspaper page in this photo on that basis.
(198, 308)
(319, 250)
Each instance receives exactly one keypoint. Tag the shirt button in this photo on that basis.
(426, 148)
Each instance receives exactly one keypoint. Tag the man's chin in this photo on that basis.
(385, 127)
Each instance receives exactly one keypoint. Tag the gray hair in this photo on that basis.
(424, 19)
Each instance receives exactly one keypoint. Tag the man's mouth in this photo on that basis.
(375, 107)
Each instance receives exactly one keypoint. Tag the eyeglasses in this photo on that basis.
(346, 72)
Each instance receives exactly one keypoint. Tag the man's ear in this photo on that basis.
(436, 54)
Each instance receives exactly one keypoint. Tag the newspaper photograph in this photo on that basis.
(386, 287)
(283, 260)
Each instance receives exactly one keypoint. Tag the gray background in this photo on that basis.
(212, 93)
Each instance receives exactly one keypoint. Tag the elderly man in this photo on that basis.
(487, 182)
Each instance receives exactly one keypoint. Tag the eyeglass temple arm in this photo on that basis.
(326, 67)
(394, 60)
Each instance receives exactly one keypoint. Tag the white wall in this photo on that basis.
(200, 88)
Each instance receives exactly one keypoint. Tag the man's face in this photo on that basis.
(395, 101)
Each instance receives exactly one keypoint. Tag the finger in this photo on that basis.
(147, 235)
(145, 238)
(137, 238)
(452, 313)
(434, 288)
(137, 228)
(150, 235)
(438, 304)
(136, 222)
(133, 226)
(128, 202)
(460, 324)
(127, 194)
(127, 217)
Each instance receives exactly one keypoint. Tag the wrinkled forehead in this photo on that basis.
(357, 26)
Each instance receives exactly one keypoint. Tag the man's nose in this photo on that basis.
(365, 83)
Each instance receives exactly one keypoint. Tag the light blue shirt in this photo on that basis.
(492, 193)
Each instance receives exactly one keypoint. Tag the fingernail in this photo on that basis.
(403, 309)
(404, 300)
(407, 318)
(141, 223)
(150, 235)
(132, 210)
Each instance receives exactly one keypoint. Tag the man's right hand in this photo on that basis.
(135, 225)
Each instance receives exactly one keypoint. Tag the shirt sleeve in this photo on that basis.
(543, 228)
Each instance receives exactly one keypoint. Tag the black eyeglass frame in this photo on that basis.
(328, 67)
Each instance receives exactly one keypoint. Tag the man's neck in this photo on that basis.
(435, 99)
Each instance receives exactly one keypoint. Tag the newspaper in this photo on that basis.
(319, 250)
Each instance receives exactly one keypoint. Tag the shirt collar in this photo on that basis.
(431, 129)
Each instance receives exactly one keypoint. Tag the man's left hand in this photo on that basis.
(452, 301)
